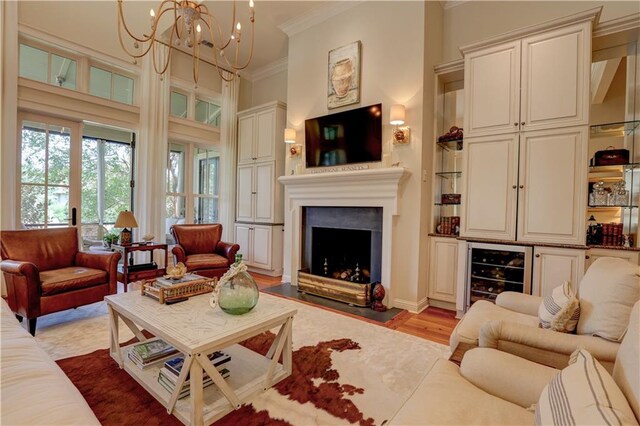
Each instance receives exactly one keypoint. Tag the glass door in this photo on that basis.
(49, 183)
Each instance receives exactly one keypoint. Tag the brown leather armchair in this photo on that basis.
(45, 272)
(200, 249)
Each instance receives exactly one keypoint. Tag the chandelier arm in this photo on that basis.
(196, 63)
(235, 65)
(223, 45)
(155, 65)
(124, 24)
(133, 55)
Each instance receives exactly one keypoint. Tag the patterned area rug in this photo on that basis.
(345, 371)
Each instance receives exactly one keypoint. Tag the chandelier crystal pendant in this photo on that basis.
(190, 19)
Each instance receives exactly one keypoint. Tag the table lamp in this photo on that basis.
(125, 220)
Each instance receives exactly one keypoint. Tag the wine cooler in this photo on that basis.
(494, 268)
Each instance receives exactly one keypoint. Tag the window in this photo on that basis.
(110, 85)
(206, 182)
(40, 65)
(208, 112)
(178, 104)
(193, 185)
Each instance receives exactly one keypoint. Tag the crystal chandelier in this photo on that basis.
(190, 19)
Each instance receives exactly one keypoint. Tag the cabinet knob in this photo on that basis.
(522, 123)
(521, 186)
(254, 192)
(514, 186)
(537, 254)
(587, 257)
(515, 124)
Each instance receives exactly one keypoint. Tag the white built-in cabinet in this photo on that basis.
(261, 246)
(552, 266)
(533, 179)
(443, 267)
(628, 255)
(537, 82)
(526, 134)
(259, 195)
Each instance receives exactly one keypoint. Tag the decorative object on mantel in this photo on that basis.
(190, 18)
(125, 220)
(378, 294)
(344, 75)
(454, 134)
(401, 135)
(237, 292)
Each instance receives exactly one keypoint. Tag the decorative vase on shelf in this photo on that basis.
(237, 292)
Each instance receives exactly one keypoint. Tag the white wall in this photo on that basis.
(392, 72)
(271, 88)
(477, 20)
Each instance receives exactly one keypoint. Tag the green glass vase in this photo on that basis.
(238, 294)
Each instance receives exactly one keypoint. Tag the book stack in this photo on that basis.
(169, 282)
(151, 352)
(168, 376)
(612, 234)
(449, 225)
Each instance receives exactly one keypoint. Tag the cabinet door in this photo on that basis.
(245, 139)
(553, 186)
(261, 246)
(490, 173)
(553, 266)
(245, 196)
(443, 264)
(243, 239)
(264, 192)
(492, 90)
(628, 255)
(556, 73)
(265, 137)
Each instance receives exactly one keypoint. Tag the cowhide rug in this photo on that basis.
(345, 371)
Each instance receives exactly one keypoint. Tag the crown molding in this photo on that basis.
(316, 16)
(268, 70)
(449, 67)
(624, 23)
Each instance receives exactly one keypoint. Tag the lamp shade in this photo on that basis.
(396, 116)
(126, 219)
(289, 135)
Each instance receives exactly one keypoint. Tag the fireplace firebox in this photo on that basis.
(342, 252)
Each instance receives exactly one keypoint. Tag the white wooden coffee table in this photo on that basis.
(197, 330)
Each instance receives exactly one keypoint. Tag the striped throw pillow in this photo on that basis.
(583, 394)
(560, 310)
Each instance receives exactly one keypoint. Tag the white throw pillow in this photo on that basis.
(560, 310)
(583, 394)
(607, 293)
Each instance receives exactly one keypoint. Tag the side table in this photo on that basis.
(128, 271)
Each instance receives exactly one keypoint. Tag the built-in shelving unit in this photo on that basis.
(618, 201)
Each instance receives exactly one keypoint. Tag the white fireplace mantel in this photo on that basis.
(357, 188)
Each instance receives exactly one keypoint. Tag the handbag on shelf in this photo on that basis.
(611, 157)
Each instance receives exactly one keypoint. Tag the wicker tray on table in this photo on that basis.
(177, 291)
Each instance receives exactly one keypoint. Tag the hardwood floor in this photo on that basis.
(433, 324)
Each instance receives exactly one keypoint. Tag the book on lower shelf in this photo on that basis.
(174, 365)
(164, 379)
(151, 352)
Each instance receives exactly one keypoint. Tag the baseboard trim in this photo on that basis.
(412, 307)
(267, 272)
(443, 305)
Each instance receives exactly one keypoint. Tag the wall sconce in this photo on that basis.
(290, 138)
(396, 117)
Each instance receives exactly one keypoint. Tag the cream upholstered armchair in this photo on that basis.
(606, 294)
(492, 387)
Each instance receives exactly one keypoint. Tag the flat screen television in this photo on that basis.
(347, 137)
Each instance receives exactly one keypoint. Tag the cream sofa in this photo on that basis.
(496, 388)
(511, 324)
(35, 391)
